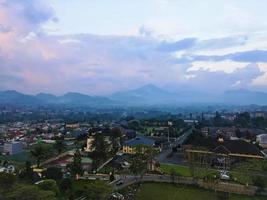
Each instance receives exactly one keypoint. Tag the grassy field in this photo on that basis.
(181, 170)
(185, 171)
(159, 191)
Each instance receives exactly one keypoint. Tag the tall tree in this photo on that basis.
(53, 173)
(115, 139)
(100, 148)
(59, 145)
(138, 165)
(27, 172)
(76, 166)
(40, 152)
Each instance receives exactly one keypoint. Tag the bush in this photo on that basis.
(49, 185)
(259, 182)
(53, 173)
(7, 181)
(65, 184)
(29, 192)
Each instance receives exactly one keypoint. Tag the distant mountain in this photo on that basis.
(47, 98)
(143, 96)
(146, 95)
(152, 95)
(77, 99)
(82, 99)
(244, 97)
(13, 97)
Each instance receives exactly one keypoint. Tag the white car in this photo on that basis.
(224, 175)
(117, 196)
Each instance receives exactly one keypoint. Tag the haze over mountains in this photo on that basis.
(147, 95)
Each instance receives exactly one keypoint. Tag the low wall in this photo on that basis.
(211, 185)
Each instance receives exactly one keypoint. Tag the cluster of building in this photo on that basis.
(220, 146)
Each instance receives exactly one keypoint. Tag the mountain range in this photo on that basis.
(144, 96)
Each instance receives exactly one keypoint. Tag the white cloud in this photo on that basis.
(225, 66)
(101, 64)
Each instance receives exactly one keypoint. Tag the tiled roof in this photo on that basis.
(231, 146)
(140, 140)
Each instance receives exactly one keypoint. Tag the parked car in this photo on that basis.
(120, 182)
(224, 175)
(117, 195)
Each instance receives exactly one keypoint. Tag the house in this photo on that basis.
(64, 159)
(257, 114)
(190, 121)
(129, 146)
(72, 126)
(129, 133)
(220, 152)
(262, 140)
(11, 148)
(231, 132)
(226, 132)
(90, 140)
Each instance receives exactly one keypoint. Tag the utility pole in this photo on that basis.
(169, 125)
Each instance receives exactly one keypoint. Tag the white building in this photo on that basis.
(13, 147)
(262, 140)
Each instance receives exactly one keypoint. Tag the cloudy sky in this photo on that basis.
(103, 46)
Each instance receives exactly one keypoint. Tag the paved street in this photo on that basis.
(163, 156)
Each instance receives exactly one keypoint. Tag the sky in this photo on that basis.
(99, 47)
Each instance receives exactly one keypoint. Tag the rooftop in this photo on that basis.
(140, 140)
(226, 147)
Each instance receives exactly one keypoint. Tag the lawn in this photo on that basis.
(185, 170)
(181, 170)
(159, 191)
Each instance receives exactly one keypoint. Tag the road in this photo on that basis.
(162, 157)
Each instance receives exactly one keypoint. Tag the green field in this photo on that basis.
(181, 170)
(160, 191)
(186, 171)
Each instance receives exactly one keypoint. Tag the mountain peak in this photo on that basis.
(150, 88)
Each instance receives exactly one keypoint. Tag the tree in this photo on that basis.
(238, 133)
(100, 148)
(53, 173)
(59, 145)
(49, 185)
(65, 184)
(27, 172)
(133, 124)
(115, 139)
(111, 177)
(97, 190)
(217, 120)
(29, 192)
(139, 161)
(243, 120)
(7, 181)
(40, 152)
(138, 166)
(76, 166)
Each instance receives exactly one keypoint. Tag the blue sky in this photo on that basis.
(100, 47)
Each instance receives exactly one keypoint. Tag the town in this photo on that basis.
(133, 100)
(223, 151)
